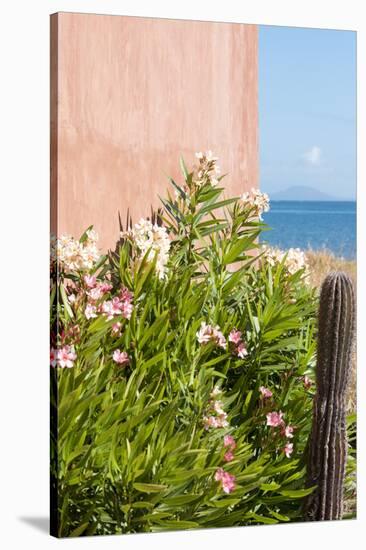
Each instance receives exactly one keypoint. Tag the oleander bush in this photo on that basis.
(181, 370)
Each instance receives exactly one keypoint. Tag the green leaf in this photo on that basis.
(79, 530)
(270, 486)
(297, 493)
(183, 168)
(182, 499)
(149, 487)
(177, 525)
(66, 302)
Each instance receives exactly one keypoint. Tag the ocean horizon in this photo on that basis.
(316, 225)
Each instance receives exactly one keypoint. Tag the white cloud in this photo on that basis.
(313, 156)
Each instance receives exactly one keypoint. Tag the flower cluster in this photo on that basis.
(275, 420)
(265, 392)
(152, 239)
(230, 445)
(207, 171)
(116, 329)
(63, 357)
(227, 480)
(95, 291)
(257, 201)
(215, 416)
(237, 344)
(121, 357)
(208, 333)
(119, 305)
(295, 258)
(71, 255)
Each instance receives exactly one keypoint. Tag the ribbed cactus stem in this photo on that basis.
(328, 440)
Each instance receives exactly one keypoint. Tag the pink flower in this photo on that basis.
(220, 338)
(219, 474)
(121, 357)
(227, 480)
(228, 456)
(90, 281)
(72, 298)
(287, 431)
(207, 333)
(235, 336)
(98, 291)
(116, 307)
(112, 308)
(95, 293)
(215, 421)
(241, 350)
(126, 295)
(105, 287)
(53, 357)
(116, 329)
(266, 393)
(65, 357)
(288, 448)
(229, 441)
(106, 309)
(90, 311)
(127, 309)
(210, 422)
(307, 382)
(274, 419)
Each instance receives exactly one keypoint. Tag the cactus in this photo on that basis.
(328, 441)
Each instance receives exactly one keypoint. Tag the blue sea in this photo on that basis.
(313, 224)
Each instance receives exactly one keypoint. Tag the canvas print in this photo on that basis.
(203, 272)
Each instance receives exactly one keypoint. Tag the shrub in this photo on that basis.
(182, 365)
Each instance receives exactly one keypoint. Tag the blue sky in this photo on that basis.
(307, 109)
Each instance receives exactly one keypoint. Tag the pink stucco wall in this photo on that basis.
(128, 96)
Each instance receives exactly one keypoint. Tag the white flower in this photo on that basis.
(72, 255)
(215, 392)
(257, 200)
(92, 235)
(153, 238)
(295, 258)
(218, 408)
(210, 157)
(207, 171)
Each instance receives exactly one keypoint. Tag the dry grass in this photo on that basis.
(321, 263)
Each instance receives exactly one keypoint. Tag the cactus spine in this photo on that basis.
(328, 440)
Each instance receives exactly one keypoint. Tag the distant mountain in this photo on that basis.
(302, 193)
